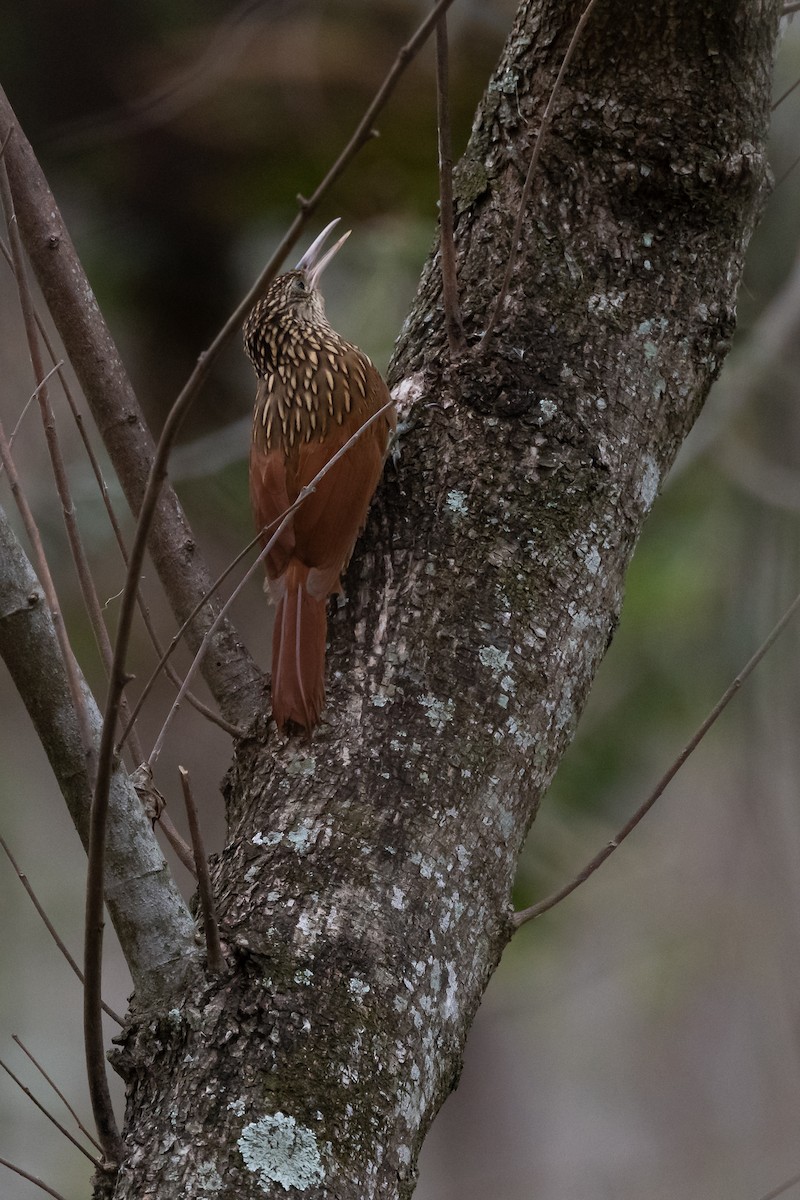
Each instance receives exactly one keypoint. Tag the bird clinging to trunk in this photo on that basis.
(315, 391)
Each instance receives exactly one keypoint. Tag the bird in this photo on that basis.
(315, 392)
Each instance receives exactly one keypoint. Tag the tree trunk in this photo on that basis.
(364, 888)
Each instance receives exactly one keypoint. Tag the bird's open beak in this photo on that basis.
(311, 262)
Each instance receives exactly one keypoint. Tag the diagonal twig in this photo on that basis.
(42, 393)
(54, 1120)
(543, 906)
(483, 345)
(58, 1092)
(787, 1183)
(58, 364)
(93, 939)
(53, 371)
(166, 654)
(23, 878)
(34, 1179)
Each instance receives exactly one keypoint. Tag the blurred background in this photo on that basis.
(642, 1040)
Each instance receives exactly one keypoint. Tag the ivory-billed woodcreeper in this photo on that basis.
(315, 391)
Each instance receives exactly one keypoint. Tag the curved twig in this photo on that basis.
(26, 883)
(57, 1091)
(34, 1179)
(543, 906)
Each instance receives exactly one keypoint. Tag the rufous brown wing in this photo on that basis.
(315, 392)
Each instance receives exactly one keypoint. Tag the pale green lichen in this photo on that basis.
(278, 1150)
(302, 764)
(300, 839)
(439, 712)
(208, 1179)
(649, 481)
(457, 502)
(494, 658)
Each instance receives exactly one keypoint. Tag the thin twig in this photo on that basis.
(58, 1092)
(181, 848)
(784, 1187)
(176, 641)
(214, 956)
(452, 308)
(23, 878)
(34, 1179)
(92, 998)
(283, 522)
(53, 371)
(172, 675)
(232, 674)
(536, 910)
(483, 345)
(790, 7)
(79, 557)
(785, 95)
(70, 1138)
(782, 178)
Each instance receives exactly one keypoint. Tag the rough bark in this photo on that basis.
(364, 887)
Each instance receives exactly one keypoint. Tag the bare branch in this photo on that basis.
(175, 840)
(165, 655)
(209, 713)
(42, 392)
(784, 1187)
(154, 925)
(53, 371)
(536, 910)
(214, 956)
(524, 199)
(92, 1159)
(785, 94)
(48, 587)
(23, 878)
(196, 703)
(232, 675)
(452, 309)
(782, 178)
(34, 1179)
(57, 1091)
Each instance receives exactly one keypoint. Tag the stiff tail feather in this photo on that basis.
(298, 652)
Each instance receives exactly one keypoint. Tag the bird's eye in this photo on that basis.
(300, 284)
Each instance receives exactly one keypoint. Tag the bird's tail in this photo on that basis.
(298, 651)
